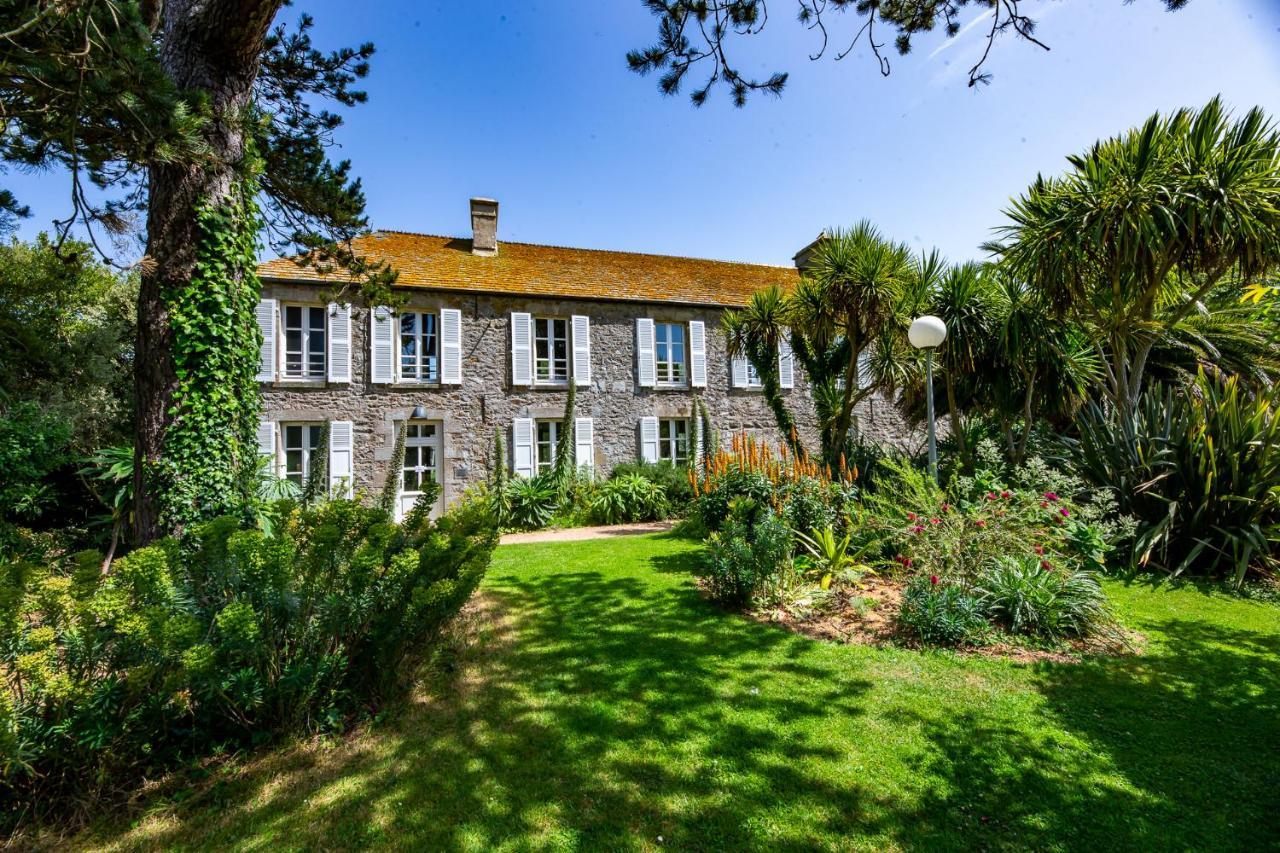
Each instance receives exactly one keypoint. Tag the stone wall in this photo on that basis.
(486, 400)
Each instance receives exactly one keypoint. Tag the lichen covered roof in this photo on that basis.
(525, 269)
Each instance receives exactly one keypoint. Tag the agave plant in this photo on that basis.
(830, 556)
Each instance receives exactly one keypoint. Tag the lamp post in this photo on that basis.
(928, 333)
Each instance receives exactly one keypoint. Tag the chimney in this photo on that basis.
(484, 227)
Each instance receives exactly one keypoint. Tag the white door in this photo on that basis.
(422, 451)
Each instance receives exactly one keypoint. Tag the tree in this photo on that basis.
(845, 322)
(199, 114)
(1144, 226)
(698, 34)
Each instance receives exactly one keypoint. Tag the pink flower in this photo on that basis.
(980, 523)
(1065, 512)
(946, 507)
(1046, 565)
(1006, 494)
(1039, 549)
(911, 516)
(934, 521)
(991, 496)
(1051, 496)
(933, 579)
(1044, 504)
(917, 529)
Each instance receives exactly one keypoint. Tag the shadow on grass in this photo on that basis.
(600, 712)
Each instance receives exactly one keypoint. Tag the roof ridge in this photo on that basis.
(585, 249)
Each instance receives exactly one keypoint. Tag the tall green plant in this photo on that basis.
(1199, 467)
(316, 487)
(565, 464)
(395, 473)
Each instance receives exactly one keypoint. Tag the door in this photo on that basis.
(422, 452)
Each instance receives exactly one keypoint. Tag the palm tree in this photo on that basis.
(965, 299)
(756, 332)
(1145, 225)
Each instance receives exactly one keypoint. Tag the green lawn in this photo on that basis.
(603, 704)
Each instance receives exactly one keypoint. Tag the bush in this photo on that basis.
(628, 498)
(530, 502)
(713, 504)
(223, 639)
(672, 479)
(809, 505)
(1199, 467)
(942, 614)
(1032, 597)
(749, 560)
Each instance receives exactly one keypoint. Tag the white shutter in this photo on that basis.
(267, 443)
(339, 342)
(522, 460)
(647, 371)
(697, 354)
(584, 451)
(521, 348)
(739, 377)
(581, 326)
(266, 315)
(786, 362)
(864, 369)
(341, 451)
(382, 346)
(649, 439)
(450, 346)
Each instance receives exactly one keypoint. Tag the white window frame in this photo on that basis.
(753, 375)
(307, 448)
(307, 375)
(549, 339)
(418, 444)
(553, 430)
(418, 337)
(669, 440)
(663, 370)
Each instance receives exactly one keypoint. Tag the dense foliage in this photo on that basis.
(222, 639)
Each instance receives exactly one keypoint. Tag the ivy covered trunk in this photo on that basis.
(197, 341)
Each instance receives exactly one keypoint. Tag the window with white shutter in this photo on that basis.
(646, 370)
(522, 459)
(305, 329)
(521, 348)
(451, 346)
(339, 342)
(786, 362)
(697, 354)
(341, 456)
(267, 443)
(266, 316)
(649, 439)
(581, 349)
(584, 453)
(382, 348)
(741, 372)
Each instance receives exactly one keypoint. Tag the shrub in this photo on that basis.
(223, 639)
(943, 614)
(713, 504)
(1032, 597)
(672, 479)
(530, 502)
(749, 560)
(628, 498)
(1199, 467)
(809, 505)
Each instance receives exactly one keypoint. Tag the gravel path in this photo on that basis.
(573, 534)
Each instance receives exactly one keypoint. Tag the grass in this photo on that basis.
(601, 704)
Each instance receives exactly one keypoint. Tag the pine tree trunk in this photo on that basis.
(211, 48)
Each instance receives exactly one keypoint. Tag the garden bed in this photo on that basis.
(866, 614)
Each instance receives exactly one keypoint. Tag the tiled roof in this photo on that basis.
(446, 263)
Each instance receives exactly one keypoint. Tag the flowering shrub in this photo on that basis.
(223, 638)
(749, 559)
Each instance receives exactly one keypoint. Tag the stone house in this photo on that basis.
(488, 338)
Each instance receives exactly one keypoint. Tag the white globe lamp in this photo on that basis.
(928, 333)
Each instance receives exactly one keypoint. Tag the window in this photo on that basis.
(300, 442)
(304, 341)
(668, 353)
(419, 347)
(551, 349)
(420, 465)
(673, 441)
(753, 375)
(548, 435)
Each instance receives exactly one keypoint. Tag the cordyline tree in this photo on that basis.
(1144, 227)
(699, 36)
(200, 116)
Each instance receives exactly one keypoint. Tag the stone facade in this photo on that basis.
(486, 400)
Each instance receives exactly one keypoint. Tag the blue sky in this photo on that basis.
(531, 103)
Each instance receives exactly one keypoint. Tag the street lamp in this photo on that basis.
(928, 333)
